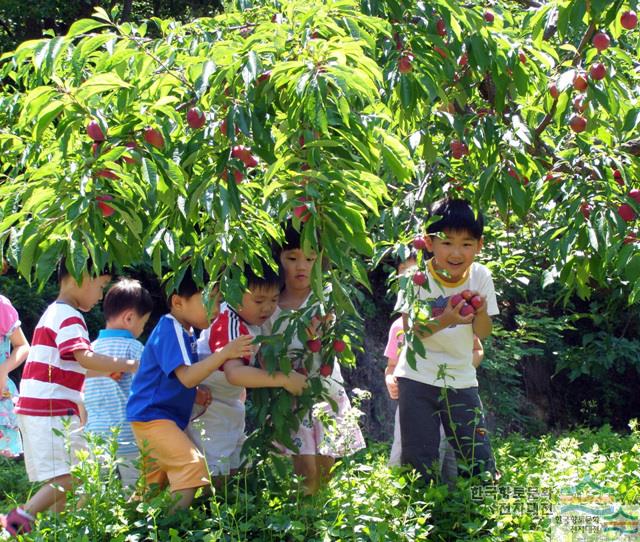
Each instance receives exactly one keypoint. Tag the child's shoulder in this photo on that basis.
(6, 305)
(479, 269)
(60, 314)
(8, 316)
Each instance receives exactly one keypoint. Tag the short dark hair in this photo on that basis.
(404, 253)
(456, 215)
(127, 294)
(269, 278)
(292, 239)
(63, 271)
(187, 287)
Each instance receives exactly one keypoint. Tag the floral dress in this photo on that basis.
(324, 431)
(10, 442)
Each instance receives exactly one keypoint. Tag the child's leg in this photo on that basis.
(185, 498)
(324, 464)
(306, 467)
(464, 423)
(419, 425)
(50, 447)
(174, 456)
(396, 447)
(314, 469)
(52, 495)
(448, 461)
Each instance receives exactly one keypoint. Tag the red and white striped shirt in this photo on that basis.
(52, 379)
(227, 327)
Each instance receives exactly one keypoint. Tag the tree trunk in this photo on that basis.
(126, 11)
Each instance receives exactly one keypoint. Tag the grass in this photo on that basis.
(365, 501)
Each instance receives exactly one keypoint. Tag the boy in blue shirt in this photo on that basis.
(163, 393)
(126, 307)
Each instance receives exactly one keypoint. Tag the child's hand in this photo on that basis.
(295, 383)
(132, 365)
(318, 323)
(203, 396)
(392, 386)
(116, 376)
(482, 307)
(239, 348)
(452, 317)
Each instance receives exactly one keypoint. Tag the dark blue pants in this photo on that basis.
(423, 407)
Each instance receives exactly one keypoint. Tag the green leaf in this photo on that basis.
(83, 26)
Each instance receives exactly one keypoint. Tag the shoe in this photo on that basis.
(17, 522)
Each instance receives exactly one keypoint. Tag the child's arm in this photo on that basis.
(239, 374)
(84, 416)
(482, 324)
(449, 317)
(390, 380)
(192, 375)
(478, 352)
(104, 364)
(20, 349)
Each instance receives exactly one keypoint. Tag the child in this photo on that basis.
(11, 336)
(127, 307)
(392, 353)
(163, 392)
(443, 389)
(317, 448)
(224, 422)
(446, 453)
(51, 389)
(395, 343)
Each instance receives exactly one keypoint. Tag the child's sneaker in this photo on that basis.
(17, 522)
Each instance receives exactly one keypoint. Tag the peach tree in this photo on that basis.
(529, 109)
(189, 145)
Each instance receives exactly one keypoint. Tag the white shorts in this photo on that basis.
(129, 472)
(48, 454)
(219, 435)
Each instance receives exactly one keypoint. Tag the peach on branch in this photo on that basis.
(95, 132)
(601, 41)
(105, 209)
(195, 118)
(626, 212)
(339, 346)
(153, 137)
(629, 20)
(578, 123)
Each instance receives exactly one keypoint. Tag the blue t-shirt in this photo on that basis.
(156, 391)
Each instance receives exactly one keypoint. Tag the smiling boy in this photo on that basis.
(443, 388)
(223, 423)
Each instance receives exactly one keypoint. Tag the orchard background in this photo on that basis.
(175, 141)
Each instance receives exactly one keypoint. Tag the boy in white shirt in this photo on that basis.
(436, 377)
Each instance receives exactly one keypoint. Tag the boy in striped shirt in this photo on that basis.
(51, 392)
(126, 308)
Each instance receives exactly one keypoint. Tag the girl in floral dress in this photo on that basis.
(318, 444)
(11, 335)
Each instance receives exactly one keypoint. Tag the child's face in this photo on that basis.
(453, 252)
(297, 268)
(91, 291)
(403, 266)
(191, 310)
(258, 305)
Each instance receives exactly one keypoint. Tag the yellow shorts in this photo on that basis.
(168, 455)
